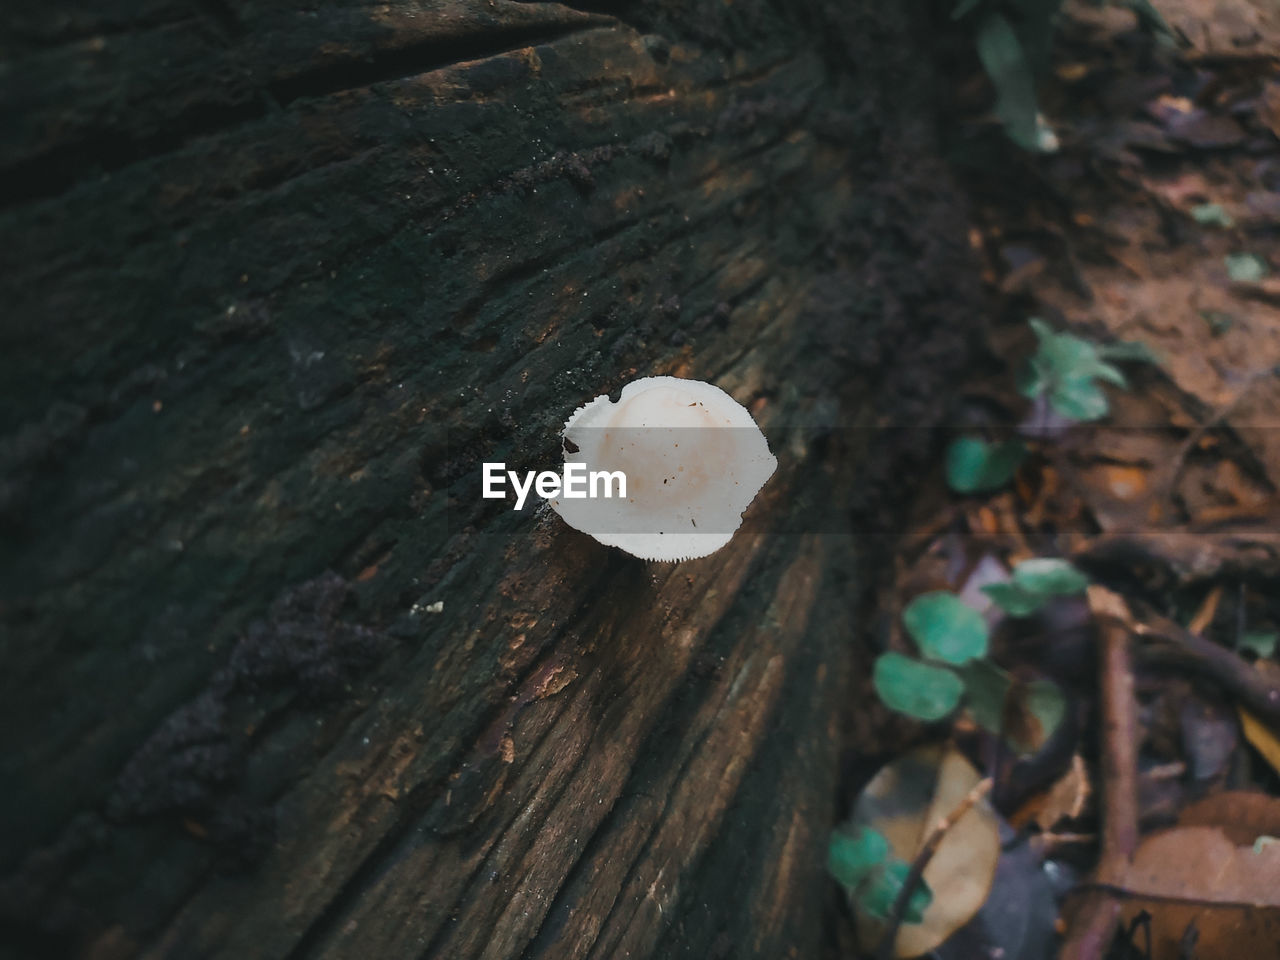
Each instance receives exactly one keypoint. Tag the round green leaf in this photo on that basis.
(920, 690)
(1013, 599)
(945, 627)
(1212, 215)
(975, 466)
(986, 688)
(851, 856)
(1245, 267)
(1049, 576)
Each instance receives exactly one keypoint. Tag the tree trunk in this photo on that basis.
(277, 278)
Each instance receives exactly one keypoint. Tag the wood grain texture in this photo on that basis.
(284, 275)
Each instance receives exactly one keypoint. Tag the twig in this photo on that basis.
(914, 875)
(1225, 667)
(1094, 924)
(1119, 727)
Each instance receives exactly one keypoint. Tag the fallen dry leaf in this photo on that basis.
(1240, 814)
(1064, 800)
(1195, 879)
(1205, 130)
(1225, 28)
(904, 801)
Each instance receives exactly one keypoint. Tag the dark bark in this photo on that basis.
(277, 278)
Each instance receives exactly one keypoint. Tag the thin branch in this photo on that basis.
(1094, 924)
(1119, 728)
(916, 873)
(1225, 667)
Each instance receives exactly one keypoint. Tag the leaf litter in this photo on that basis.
(1149, 234)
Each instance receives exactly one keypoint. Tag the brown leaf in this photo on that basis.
(1196, 877)
(1225, 28)
(1065, 800)
(1200, 128)
(1240, 814)
(904, 801)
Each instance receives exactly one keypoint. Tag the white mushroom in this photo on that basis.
(693, 460)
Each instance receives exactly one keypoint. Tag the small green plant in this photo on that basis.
(1064, 375)
(1066, 369)
(1014, 39)
(948, 632)
(873, 878)
(953, 638)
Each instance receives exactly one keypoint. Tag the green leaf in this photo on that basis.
(1013, 599)
(945, 627)
(1042, 330)
(963, 7)
(1212, 215)
(1105, 371)
(1035, 582)
(1067, 368)
(1245, 267)
(1066, 354)
(1133, 351)
(851, 856)
(975, 466)
(1033, 378)
(1043, 702)
(920, 690)
(986, 687)
(1049, 576)
(1006, 64)
(1025, 714)
(880, 892)
(1261, 642)
(1080, 398)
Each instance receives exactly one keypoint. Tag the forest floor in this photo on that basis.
(1143, 795)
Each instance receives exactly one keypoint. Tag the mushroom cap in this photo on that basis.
(693, 460)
